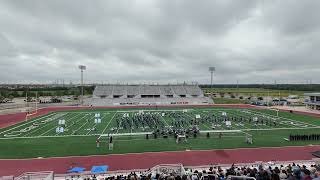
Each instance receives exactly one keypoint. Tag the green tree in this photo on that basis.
(59, 93)
(65, 92)
(10, 97)
(1, 98)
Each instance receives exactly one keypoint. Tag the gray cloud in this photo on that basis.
(160, 41)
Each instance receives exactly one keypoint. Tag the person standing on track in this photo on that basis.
(98, 142)
(110, 143)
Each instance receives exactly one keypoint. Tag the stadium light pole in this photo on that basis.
(212, 70)
(82, 68)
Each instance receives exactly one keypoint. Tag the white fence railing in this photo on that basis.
(42, 175)
(162, 169)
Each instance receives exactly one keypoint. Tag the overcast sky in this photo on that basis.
(164, 41)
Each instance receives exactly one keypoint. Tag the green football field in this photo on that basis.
(66, 133)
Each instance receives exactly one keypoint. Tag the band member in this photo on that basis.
(98, 142)
(110, 143)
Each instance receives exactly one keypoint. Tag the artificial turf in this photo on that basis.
(57, 145)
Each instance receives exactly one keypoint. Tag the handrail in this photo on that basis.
(162, 169)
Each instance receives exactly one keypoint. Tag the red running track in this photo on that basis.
(148, 160)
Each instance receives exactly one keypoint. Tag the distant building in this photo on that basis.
(294, 100)
(312, 100)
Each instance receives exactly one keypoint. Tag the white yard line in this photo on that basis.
(28, 122)
(258, 128)
(131, 125)
(216, 113)
(68, 127)
(173, 119)
(105, 114)
(246, 127)
(273, 129)
(150, 110)
(204, 124)
(119, 127)
(91, 129)
(154, 122)
(284, 128)
(37, 129)
(81, 126)
(243, 130)
(165, 121)
(261, 113)
(109, 122)
(53, 128)
(189, 116)
(83, 123)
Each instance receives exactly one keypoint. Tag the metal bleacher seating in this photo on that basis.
(147, 95)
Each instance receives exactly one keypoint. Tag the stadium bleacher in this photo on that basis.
(273, 170)
(179, 90)
(147, 95)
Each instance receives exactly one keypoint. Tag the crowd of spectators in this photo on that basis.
(260, 172)
(290, 172)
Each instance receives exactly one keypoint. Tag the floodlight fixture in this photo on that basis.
(82, 67)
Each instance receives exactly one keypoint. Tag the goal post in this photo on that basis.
(31, 108)
(276, 110)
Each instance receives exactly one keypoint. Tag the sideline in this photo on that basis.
(164, 152)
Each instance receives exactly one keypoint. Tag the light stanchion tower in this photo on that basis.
(211, 70)
(82, 68)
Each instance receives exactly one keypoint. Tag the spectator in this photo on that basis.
(307, 175)
(283, 174)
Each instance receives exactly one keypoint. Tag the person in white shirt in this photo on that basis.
(283, 174)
